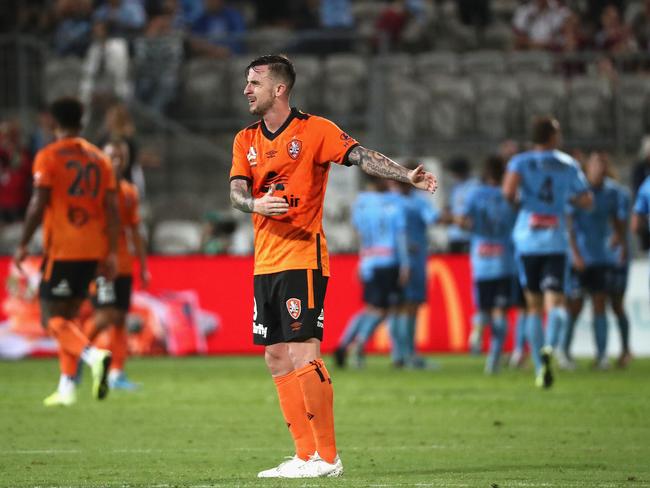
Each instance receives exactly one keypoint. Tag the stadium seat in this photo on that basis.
(520, 62)
(633, 107)
(436, 63)
(498, 108)
(62, 77)
(450, 111)
(203, 80)
(345, 84)
(403, 114)
(396, 64)
(307, 94)
(590, 114)
(480, 62)
(177, 237)
(543, 95)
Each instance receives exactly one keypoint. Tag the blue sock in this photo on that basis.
(499, 328)
(396, 337)
(600, 328)
(535, 336)
(520, 332)
(556, 325)
(351, 330)
(409, 337)
(367, 327)
(624, 329)
(567, 337)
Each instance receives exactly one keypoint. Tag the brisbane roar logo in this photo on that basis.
(293, 148)
(294, 308)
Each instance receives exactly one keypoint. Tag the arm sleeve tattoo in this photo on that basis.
(240, 196)
(376, 164)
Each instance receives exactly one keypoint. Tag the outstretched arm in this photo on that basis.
(376, 164)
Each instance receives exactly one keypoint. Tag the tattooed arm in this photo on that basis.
(241, 199)
(376, 164)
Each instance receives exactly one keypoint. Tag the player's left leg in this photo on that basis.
(616, 287)
(500, 301)
(598, 300)
(117, 378)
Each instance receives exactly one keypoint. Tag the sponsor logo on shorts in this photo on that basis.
(294, 308)
(62, 289)
(321, 319)
(259, 329)
(295, 327)
(105, 291)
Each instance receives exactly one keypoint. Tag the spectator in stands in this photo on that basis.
(15, 173)
(43, 133)
(595, 9)
(73, 27)
(122, 18)
(217, 32)
(157, 59)
(336, 17)
(106, 67)
(391, 23)
(614, 36)
(119, 125)
(475, 13)
(640, 26)
(537, 24)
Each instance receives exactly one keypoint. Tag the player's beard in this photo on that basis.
(261, 107)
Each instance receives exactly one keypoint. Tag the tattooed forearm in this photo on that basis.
(376, 164)
(240, 196)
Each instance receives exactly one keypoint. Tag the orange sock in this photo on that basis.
(118, 347)
(68, 363)
(318, 395)
(68, 335)
(295, 414)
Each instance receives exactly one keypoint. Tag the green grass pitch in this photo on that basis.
(215, 422)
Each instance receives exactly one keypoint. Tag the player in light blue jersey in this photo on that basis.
(459, 168)
(419, 215)
(490, 218)
(544, 180)
(383, 267)
(591, 232)
(619, 270)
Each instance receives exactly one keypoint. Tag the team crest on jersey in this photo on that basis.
(293, 148)
(294, 308)
(252, 156)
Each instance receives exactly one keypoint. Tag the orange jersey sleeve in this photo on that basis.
(42, 169)
(335, 144)
(242, 158)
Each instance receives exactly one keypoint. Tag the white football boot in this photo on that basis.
(318, 468)
(286, 469)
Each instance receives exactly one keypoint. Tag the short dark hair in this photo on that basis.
(279, 65)
(67, 112)
(493, 168)
(544, 128)
(459, 167)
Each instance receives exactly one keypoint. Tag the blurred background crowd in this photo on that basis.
(445, 81)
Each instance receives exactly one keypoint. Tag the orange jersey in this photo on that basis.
(297, 159)
(78, 175)
(127, 198)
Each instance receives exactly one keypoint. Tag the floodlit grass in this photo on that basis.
(208, 422)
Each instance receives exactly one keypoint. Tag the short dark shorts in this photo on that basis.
(382, 289)
(63, 280)
(490, 294)
(112, 294)
(617, 279)
(517, 297)
(288, 306)
(542, 272)
(594, 279)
